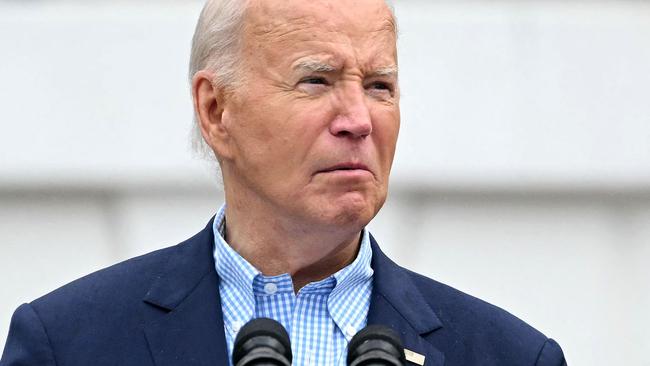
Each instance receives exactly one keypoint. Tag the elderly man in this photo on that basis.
(299, 101)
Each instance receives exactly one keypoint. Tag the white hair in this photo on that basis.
(216, 47)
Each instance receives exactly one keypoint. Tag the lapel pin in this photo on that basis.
(414, 357)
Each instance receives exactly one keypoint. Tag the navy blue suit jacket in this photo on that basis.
(164, 309)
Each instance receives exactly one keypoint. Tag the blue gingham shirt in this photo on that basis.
(321, 318)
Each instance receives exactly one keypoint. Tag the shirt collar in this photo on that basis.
(238, 275)
(348, 303)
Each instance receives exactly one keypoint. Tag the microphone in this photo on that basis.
(262, 342)
(376, 345)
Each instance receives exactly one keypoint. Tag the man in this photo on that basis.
(299, 101)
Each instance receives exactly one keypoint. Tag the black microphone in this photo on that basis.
(376, 345)
(262, 342)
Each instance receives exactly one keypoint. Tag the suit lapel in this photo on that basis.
(185, 325)
(397, 303)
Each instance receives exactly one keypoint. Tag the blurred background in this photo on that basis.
(522, 174)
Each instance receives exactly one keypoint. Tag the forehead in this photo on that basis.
(356, 25)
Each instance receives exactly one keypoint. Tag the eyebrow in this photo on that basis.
(312, 65)
(386, 71)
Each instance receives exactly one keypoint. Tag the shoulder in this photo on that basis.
(126, 284)
(126, 281)
(484, 331)
(467, 330)
(98, 311)
(459, 309)
(106, 312)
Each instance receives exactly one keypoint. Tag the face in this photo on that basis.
(312, 126)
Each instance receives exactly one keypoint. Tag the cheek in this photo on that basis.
(386, 131)
(278, 144)
(252, 140)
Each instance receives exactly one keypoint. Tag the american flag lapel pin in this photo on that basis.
(414, 357)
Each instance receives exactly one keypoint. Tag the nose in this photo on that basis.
(353, 119)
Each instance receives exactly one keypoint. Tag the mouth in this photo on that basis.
(346, 167)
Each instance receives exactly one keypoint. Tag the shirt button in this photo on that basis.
(270, 288)
(236, 325)
(350, 331)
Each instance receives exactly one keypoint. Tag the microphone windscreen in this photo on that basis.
(261, 334)
(376, 345)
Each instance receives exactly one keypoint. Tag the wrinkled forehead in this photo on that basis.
(275, 19)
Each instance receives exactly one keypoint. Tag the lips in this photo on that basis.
(345, 166)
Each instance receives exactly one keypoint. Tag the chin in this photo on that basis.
(352, 213)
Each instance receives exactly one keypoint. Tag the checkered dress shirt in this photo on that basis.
(321, 319)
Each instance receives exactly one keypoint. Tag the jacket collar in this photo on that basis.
(187, 329)
(188, 325)
(397, 303)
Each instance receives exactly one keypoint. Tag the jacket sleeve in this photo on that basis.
(27, 343)
(551, 355)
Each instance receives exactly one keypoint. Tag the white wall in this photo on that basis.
(521, 176)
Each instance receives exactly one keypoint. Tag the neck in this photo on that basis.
(276, 245)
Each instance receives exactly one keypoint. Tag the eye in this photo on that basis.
(381, 89)
(313, 85)
(381, 85)
(314, 80)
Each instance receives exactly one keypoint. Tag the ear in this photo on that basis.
(209, 103)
